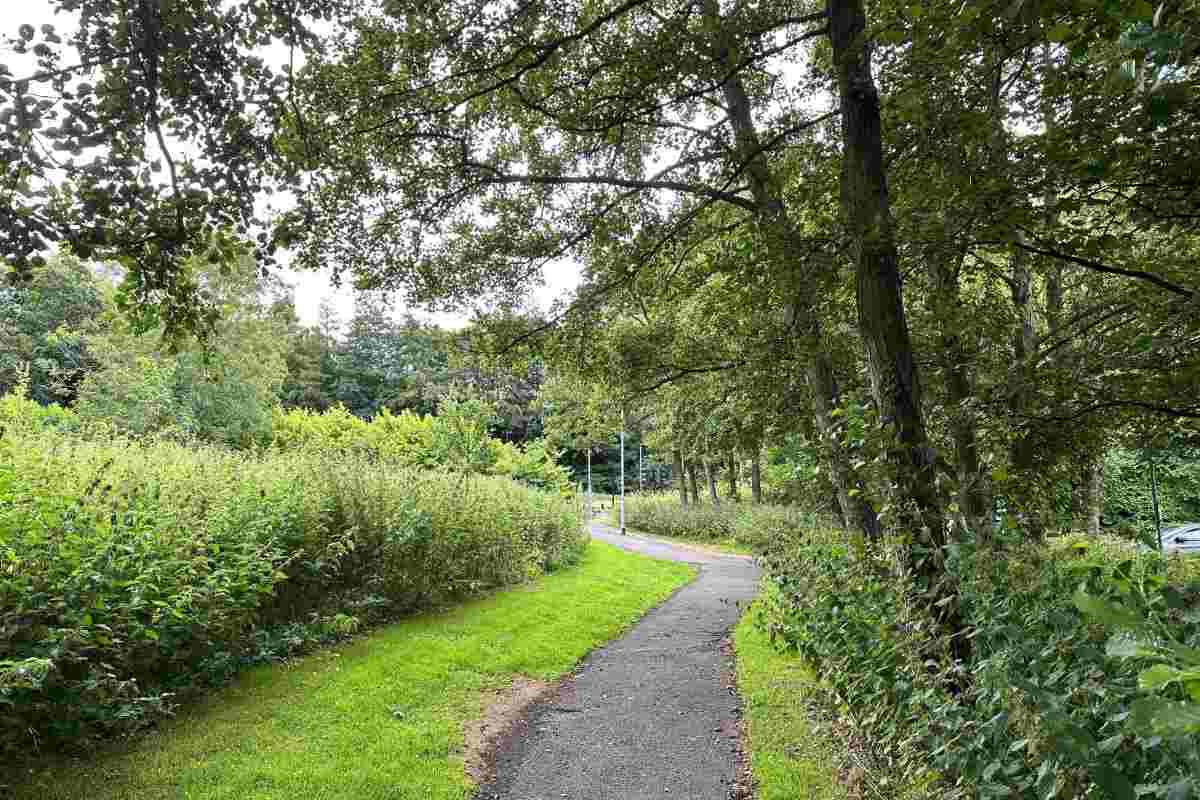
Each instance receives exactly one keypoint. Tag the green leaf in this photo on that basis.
(1157, 677)
(1114, 784)
(1060, 32)
(1180, 790)
(1103, 611)
(1126, 646)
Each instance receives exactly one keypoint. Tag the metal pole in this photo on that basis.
(589, 494)
(1154, 498)
(622, 474)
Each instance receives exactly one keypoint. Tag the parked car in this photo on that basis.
(1182, 538)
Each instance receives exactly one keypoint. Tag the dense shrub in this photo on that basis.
(753, 526)
(1042, 706)
(457, 438)
(1127, 492)
(134, 572)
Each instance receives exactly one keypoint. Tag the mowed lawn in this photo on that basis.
(381, 717)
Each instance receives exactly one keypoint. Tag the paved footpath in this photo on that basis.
(649, 715)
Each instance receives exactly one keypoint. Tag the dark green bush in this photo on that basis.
(1127, 492)
(1039, 708)
(133, 573)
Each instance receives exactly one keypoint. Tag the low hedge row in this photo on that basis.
(132, 573)
(1075, 684)
(746, 524)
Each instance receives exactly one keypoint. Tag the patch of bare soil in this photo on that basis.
(503, 713)
(743, 785)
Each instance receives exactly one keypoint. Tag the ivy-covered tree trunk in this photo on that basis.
(680, 476)
(756, 476)
(733, 475)
(856, 513)
(882, 322)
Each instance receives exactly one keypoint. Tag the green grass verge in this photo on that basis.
(381, 717)
(788, 756)
(728, 545)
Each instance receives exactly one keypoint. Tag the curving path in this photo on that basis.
(651, 714)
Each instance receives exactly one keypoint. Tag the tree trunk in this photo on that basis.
(677, 468)
(693, 482)
(1095, 496)
(756, 477)
(1023, 451)
(710, 475)
(895, 382)
(856, 513)
(733, 476)
(974, 491)
(781, 246)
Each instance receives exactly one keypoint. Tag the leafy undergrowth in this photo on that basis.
(734, 527)
(382, 716)
(789, 754)
(727, 546)
(1082, 679)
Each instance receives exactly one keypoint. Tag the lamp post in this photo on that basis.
(622, 472)
(622, 479)
(641, 468)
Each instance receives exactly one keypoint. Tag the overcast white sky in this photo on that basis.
(310, 288)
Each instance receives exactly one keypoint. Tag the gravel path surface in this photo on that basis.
(649, 715)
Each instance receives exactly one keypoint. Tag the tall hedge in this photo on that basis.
(132, 573)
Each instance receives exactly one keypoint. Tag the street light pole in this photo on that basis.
(622, 474)
(641, 468)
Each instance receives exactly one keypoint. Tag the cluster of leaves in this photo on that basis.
(1040, 707)
(136, 572)
(756, 527)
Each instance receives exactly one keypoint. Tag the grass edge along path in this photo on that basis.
(380, 717)
(727, 546)
(789, 757)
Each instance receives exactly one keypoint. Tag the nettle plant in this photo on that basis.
(1155, 625)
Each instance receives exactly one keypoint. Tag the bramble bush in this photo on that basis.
(1052, 699)
(133, 573)
(752, 526)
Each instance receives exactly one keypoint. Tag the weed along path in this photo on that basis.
(652, 714)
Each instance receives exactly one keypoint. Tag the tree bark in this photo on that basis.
(895, 381)
(857, 514)
(781, 244)
(693, 482)
(733, 475)
(710, 475)
(1023, 451)
(974, 490)
(677, 468)
(756, 477)
(1095, 496)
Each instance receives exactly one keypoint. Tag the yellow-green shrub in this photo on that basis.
(456, 439)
